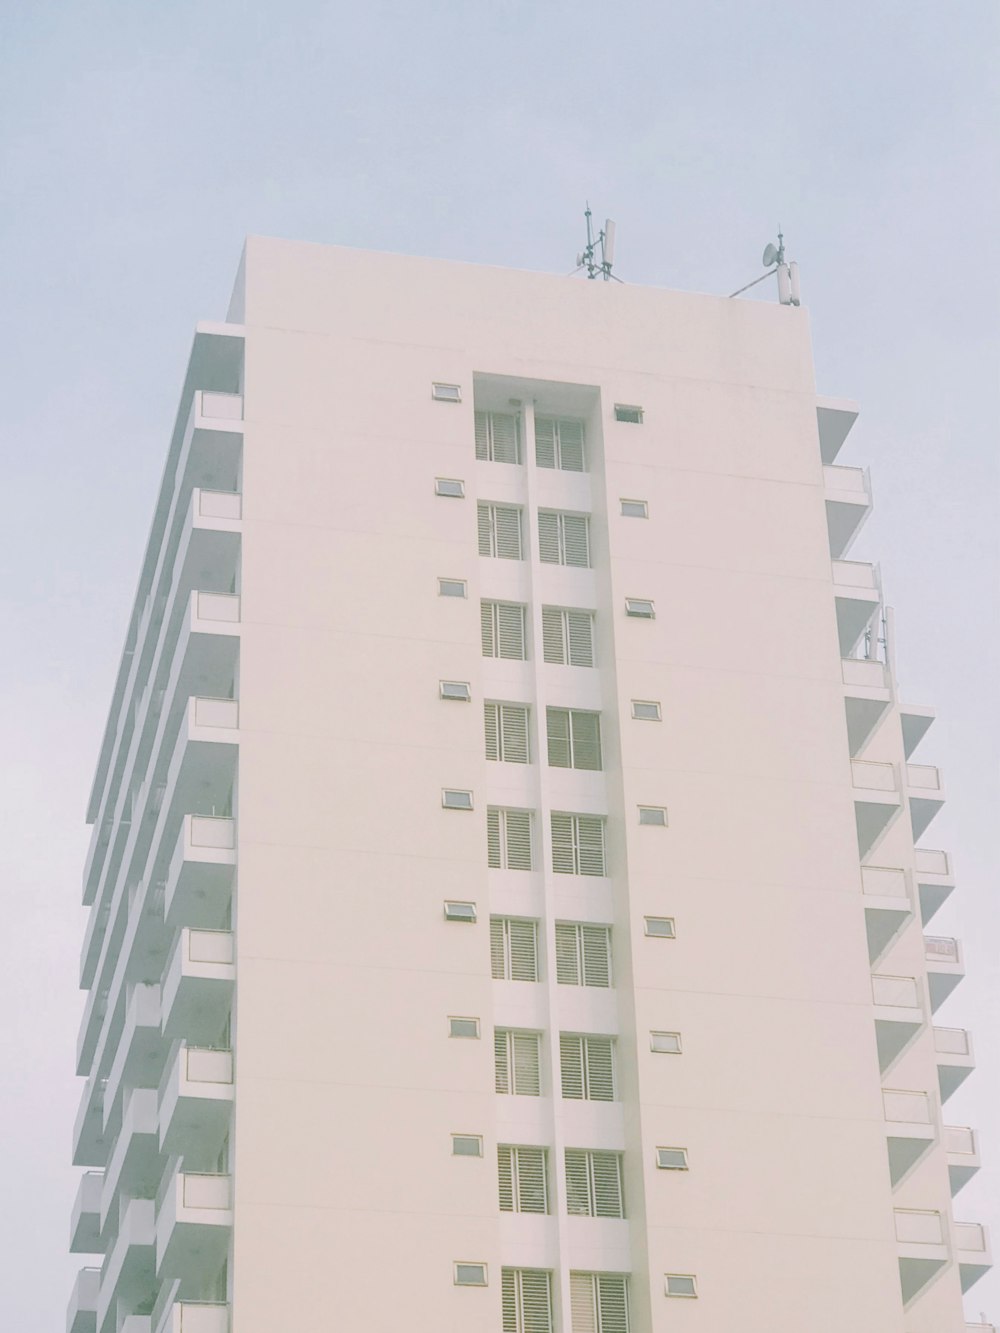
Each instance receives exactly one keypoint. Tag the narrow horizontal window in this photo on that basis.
(467, 1145)
(653, 814)
(646, 710)
(449, 486)
(452, 588)
(470, 1275)
(456, 689)
(665, 1043)
(680, 1284)
(672, 1159)
(456, 800)
(460, 912)
(635, 509)
(660, 927)
(628, 412)
(446, 393)
(463, 1027)
(640, 607)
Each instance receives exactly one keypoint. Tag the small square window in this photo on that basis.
(460, 912)
(456, 689)
(463, 1027)
(466, 1145)
(660, 927)
(452, 588)
(653, 814)
(450, 486)
(628, 412)
(665, 1043)
(446, 393)
(456, 800)
(635, 509)
(672, 1159)
(680, 1284)
(646, 710)
(470, 1275)
(639, 607)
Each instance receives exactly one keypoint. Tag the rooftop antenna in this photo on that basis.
(605, 242)
(773, 260)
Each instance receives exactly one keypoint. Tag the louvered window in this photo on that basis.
(559, 444)
(599, 1302)
(564, 539)
(523, 1186)
(507, 733)
(587, 1068)
(578, 845)
(518, 1062)
(500, 531)
(526, 1300)
(594, 1183)
(583, 954)
(504, 630)
(513, 949)
(567, 637)
(498, 437)
(574, 738)
(508, 839)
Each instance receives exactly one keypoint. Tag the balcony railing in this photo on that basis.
(854, 574)
(908, 1108)
(884, 882)
(217, 606)
(918, 1226)
(862, 671)
(853, 479)
(220, 406)
(959, 1139)
(924, 777)
(941, 948)
(952, 1041)
(930, 861)
(896, 992)
(215, 712)
(970, 1237)
(869, 776)
(212, 831)
(220, 504)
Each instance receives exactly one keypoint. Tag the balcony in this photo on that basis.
(909, 1129)
(198, 986)
(85, 1220)
(935, 879)
(955, 1062)
(134, 1165)
(888, 906)
(945, 968)
(962, 1151)
(196, 1100)
(921, 1248)
(972, 1251)
(128, 1273)
(867, 697)
(193, 1222)
(848, 495)
(138, 1060)
(899, 1016)
(915, 722)
(199, 882)
(193, 1317)
(858, 597)
(89, 1142)
(834, 419)
(81, 1313)
(925, 793)
(211, 407)
(877, 801)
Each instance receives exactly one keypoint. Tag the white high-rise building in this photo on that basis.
(508, 883)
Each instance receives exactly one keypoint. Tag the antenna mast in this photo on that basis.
(603, 241)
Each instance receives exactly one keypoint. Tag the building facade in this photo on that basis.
(508, 883)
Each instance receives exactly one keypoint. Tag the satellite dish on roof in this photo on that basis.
(770, 256)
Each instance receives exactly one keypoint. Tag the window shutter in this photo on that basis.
(586, 738)
(517, 1063)
(578, 844)
(576, 540)
(583, 1303)
(548, 537)
(553, 635)
(580, 634)
(598, 1069)
(505, 1172)
(503, 629)
(493, 839)
(497, 437)
(518, 839)
(571, 1066)
(526, 1300)
(595, 946)
(590, 831)
(563, 845)
(501, 1060)
(514, 948)
(545, 442)
(567, 954)
(612, 1302)
(558, 733)
(498, 958)
(577, 1183)
(522, 1180)
(571, 445)
(507, 532)
(514, 733)
(606, 1175)
(485, 528)
(491, 713)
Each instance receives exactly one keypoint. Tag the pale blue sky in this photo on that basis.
(141, 141)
